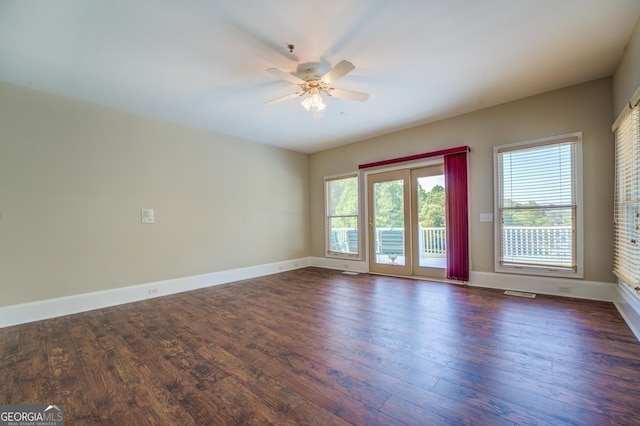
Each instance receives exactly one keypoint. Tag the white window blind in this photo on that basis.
(342, 216)
(627, 198)
(537, 203)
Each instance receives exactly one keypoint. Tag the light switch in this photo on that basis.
(148, 215)
(486, 217)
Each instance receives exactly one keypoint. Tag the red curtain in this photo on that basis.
(457, 212)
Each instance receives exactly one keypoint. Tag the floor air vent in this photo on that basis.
(350, 273)
(520, 294)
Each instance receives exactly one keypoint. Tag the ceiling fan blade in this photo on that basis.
(285, 76)
(349, 94)
(337, 72)
(284, 98)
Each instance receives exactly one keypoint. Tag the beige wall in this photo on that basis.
(587, 108)
(74, 176)
(626, 79)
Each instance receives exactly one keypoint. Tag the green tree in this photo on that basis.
(432, 207)
(344, 201)
(389, 204)
(526, 217)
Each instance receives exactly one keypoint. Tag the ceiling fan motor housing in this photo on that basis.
(312, 70)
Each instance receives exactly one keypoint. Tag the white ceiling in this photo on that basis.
(202, 63)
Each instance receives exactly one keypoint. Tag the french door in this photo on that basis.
(406, 222)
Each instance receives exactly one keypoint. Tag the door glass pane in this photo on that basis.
(431, 222)
(388, 222)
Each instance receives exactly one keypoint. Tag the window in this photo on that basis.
(342, 219)
(626, 264)
(538, 205)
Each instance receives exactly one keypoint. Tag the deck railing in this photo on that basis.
(518, 241)
(539, 244)
(432, 242)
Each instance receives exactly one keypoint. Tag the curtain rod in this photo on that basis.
(447, 151)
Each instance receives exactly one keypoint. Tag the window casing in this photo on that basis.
(626, 263)
(342, 218)
(538, 205)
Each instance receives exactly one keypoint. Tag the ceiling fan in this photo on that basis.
(314, 84)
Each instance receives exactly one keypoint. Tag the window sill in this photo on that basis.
(345, 256)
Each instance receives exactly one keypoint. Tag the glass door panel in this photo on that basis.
(389, 224)
(428, 216)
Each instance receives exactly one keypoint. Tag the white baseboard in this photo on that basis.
(580, 289)
(628, 305)
(44, 309)
(339, 264)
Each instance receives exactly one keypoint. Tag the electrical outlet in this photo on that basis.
(486, 217)
(564, 288)
(153, 291)
(148, 216)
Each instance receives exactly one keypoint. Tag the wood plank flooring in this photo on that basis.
(315, 346)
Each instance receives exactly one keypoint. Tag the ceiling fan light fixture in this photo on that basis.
(314, 102)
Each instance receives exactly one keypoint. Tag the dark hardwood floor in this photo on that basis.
(315, 346)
